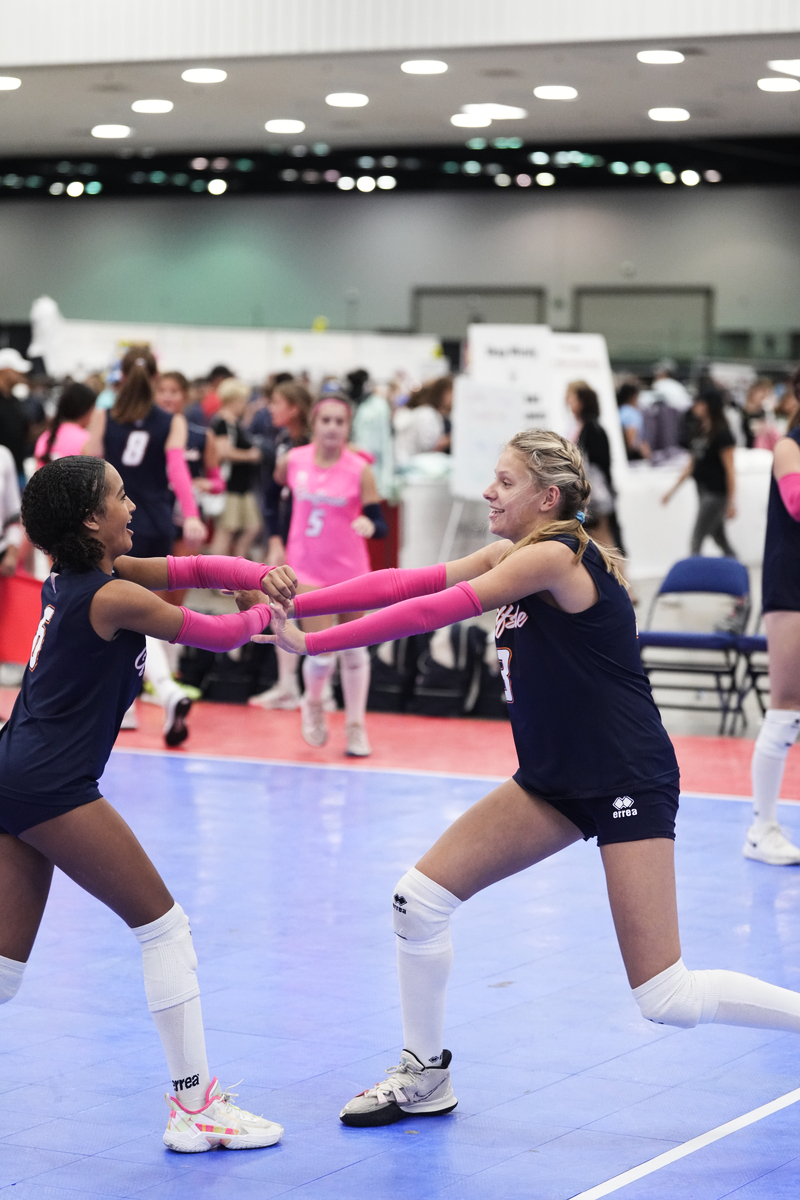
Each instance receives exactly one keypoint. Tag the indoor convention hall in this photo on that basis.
(399, 600)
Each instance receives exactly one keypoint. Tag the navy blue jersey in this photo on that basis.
(780, 581)
(582, 713)
(74, 694)
(138, 453)
(195, 450)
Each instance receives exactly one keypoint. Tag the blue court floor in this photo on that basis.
(286, 873)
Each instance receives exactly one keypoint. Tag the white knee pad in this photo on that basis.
(169, 960)
(778, 732)
(421, 912)
(356, 656)
(318, 666)
(679, 997)
(11, 973)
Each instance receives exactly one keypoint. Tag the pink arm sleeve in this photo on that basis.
(217, 482)
(376, 589)
(223, 632)
(419, 615)
(214, 571)
(181, 481)
(789, 488)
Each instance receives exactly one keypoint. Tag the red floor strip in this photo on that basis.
(452, 745)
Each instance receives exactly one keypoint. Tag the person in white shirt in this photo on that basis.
(420, 425)
(670, 390)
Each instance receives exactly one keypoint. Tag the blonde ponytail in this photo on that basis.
(554, 462)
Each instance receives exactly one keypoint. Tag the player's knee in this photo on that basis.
(421, 911)
(355, 656)
(11, 973)
(169, 960)
(677, 997)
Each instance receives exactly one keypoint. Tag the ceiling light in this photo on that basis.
(365, 183)
(660, 57)
(284, 125)
(779, 83)
(56, 189)
(331, 176)
(690, 178)
(424, 66)
(539, 158)
(346, 183)
(470, 120)
(199, 164)
(502, 180)
(545, 179)
(152, 106)
(668, 114)
(712, 176)
(94, 188)
(496, 112)
(667, 176)
(523, 181)
(75, 188)
(217, 186)
(789, 66)
(386, 182)
(347, 100)
(9, 83)
(555, 91)
(112, 131)
(204, 75)
(618, 168)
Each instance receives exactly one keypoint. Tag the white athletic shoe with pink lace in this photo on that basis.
(217, 1123)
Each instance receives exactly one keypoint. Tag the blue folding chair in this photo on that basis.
(755, 669)
(710, 655)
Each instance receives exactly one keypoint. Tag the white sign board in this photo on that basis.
(485, 416)
(77, 348)
(518, 380)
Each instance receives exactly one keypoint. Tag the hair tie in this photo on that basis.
(580, 516)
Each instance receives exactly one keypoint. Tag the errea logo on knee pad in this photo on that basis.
(624, 807)
(399, 903)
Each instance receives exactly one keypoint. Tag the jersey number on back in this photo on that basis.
(135, 448)
(38, 637)
(504, 655)
(316, 521)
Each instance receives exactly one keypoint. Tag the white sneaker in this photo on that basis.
(769, 844)
(357, 741)
(410, 1090)
(278, 696)
(130, 720)
(217, 1123)
(176, 710)
(312, 722)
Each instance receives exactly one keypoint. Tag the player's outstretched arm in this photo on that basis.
(208, 571)
(121, 604)
(546, 566)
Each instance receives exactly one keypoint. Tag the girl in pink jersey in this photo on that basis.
(335, 508)
(74, 429)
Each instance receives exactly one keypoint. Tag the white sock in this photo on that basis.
(354, 670)
(421, 912)
(317, 669)
(157, 672)
(287, 670)
(778, 732)
(688, 998)
(173, 997)
(11, 973)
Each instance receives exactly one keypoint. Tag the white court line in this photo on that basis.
(678, 1152)
(280, 762)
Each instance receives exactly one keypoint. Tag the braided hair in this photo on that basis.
(56, 502)
(552, 461)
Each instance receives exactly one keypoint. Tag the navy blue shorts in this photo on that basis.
(621, 817)
(17, 815)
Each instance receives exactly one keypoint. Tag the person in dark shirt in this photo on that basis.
(711, 446)
(592, 441)
(14, 432)
(241, 519)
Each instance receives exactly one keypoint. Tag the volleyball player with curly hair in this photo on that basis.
(594, 761)
(85, 666)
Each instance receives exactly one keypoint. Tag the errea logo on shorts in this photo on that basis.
(624, 807)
